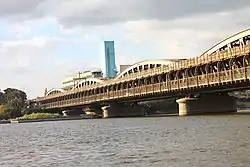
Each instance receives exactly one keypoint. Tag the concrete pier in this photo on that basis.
(122, 110)
(207, 103)
(72, 112)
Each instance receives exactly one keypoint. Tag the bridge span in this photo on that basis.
(223, 68)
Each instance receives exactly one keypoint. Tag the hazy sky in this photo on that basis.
(41, 41)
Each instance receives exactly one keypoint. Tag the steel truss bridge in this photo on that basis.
(224, 67)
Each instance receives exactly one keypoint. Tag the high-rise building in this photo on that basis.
(110, 66)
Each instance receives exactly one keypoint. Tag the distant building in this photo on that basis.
(123, 68)
(110, 66)
(70, 81)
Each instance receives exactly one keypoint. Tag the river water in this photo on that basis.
(196, 141)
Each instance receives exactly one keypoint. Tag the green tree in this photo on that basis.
(15, 102)
(2, 100)
(3, 114)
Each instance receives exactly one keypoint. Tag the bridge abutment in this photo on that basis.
(122, 110)
(207, 103)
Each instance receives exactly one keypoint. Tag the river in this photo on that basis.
(195, 141)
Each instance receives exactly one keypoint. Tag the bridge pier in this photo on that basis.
(207, 103)
(72, 112)
(121, 110)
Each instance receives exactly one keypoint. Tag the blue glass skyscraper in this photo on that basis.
(110, 67)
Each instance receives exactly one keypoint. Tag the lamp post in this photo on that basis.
(79, 75)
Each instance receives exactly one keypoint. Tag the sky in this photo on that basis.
(42, 41)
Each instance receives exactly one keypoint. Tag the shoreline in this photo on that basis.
(45, 120)
(240, 112)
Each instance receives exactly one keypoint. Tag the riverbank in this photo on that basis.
(48, 119)
(5, 121)
(13, 121)
(240, 112)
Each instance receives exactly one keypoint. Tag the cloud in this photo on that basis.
(37, 63)
(34, 53)
(20, 29)
(24, 62)
(11, 8)
(103, 12)
(188, 36)
(20, 50)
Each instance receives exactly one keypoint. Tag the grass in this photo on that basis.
(243, 104)
(39, 116)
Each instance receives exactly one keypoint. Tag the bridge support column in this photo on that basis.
(207, 103)
(72, 112)
(121, 110)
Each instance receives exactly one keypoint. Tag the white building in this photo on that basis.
(72, 80)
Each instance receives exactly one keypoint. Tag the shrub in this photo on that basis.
(39, 116)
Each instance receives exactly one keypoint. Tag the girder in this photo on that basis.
(145, 66)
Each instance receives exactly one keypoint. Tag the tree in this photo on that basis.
(15, 102)
(3, 114)
(2, 100)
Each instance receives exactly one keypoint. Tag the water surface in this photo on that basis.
(197, 141)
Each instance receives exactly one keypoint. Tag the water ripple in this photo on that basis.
(182, 142)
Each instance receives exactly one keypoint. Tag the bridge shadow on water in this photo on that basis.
(239, 112)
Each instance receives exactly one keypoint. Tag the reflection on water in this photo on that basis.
(219, 141)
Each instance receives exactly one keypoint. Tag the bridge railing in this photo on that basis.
(234, 52)
(223, 77)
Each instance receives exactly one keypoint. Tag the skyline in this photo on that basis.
(41, 42)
